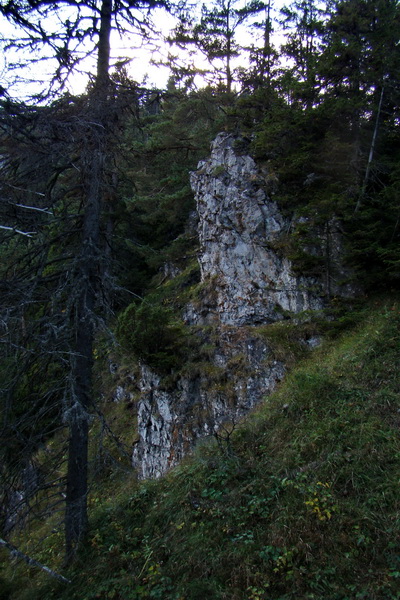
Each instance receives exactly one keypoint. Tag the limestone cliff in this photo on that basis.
(247, 282)
(239, 225)
(242, 370)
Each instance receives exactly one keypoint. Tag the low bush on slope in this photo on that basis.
(301, 501)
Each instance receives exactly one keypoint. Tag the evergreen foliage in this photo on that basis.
(153, 334)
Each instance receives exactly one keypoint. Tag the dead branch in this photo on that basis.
(26, 233)
(31, 561)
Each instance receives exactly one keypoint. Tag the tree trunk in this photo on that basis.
(88, 285)
(228, 54)
(266, 52)
(371, 153)
(81, 388)
(103, 54)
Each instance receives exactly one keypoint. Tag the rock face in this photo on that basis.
(247, 282)
(241, 371)
(239, 226)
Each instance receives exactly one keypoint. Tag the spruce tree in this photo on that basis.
(215, 35)
(302, 21)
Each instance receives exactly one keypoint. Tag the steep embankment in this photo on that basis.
(301, 501)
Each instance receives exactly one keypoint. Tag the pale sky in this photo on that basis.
(138, 68)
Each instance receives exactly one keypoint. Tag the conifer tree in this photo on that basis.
(359, 68)
(215, 35)
(303, 23)
(267, 55)
(82, 284)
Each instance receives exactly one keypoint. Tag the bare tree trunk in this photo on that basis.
(266, 52)
(103, 55)
(81, 385)
(371, 153)
(228, 54)
(88, 280)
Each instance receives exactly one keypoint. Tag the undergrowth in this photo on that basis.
(303, 503)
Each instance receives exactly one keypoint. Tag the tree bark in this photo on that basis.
(88, 279)
(103, 54)
(88, 286)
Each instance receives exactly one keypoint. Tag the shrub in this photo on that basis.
(154, 334)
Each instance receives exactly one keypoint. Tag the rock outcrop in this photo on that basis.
(240, 372)
(239, 227)
(247, 282)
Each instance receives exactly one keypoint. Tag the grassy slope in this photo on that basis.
(301, 502)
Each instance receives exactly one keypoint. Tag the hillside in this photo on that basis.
(199, 300)
(300, 500)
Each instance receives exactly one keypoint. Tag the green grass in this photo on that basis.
(302, 502)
